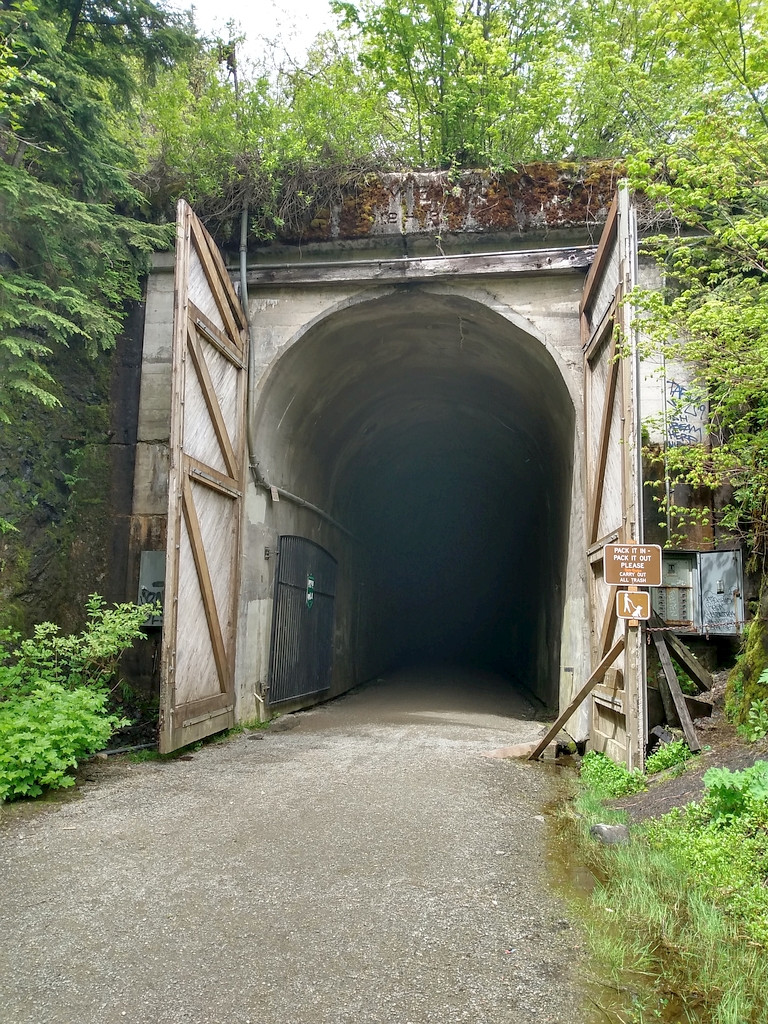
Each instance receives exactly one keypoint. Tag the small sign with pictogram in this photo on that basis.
(631, 605)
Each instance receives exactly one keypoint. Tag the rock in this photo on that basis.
(610, 835)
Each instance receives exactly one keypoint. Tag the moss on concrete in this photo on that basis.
(744, 686)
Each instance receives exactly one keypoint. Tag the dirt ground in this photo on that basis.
(359, 863)
(722, 747)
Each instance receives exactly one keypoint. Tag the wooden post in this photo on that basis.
(677, 694)
(590, 684)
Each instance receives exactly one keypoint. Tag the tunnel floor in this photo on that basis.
(434, 694)
(363, 865)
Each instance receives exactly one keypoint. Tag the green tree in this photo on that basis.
(708, 175)
(71, 247)
(471, 82)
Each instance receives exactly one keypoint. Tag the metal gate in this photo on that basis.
(302, 627)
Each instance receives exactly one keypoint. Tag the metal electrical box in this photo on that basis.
(152, 583)
(701, 592)
(722, 592)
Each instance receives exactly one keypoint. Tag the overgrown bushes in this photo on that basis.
(688, 905)
(55, 696)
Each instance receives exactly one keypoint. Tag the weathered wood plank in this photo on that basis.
(602, 253)
(677, 694)
(206, 586)
(535, 261)
(685, 658)
(212, 404)
(609, 622)
(598, 472)
(229, 347)
(218, 281)
(584, 692)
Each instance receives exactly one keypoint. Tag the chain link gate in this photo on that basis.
(302, 627)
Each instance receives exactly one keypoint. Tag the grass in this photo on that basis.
(139, 756)
(678, 922)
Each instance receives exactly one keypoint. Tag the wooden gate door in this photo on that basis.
(205, 492)
(614, 509)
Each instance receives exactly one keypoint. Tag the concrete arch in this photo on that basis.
(439, 425)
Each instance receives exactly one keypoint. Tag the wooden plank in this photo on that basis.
(170, 614)
(609, 623)
(608, 322)
(226, 281)
(685, 658)
(230, 487)
(229, 347)
(601, 257)
(206, 586)
(212, 404)
(598, 476)
(575, 259)
(584, 692)
(217, 277)
(677, 694)
(666, 699)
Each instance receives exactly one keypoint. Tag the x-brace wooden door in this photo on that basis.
(612, 472)
(205, 492)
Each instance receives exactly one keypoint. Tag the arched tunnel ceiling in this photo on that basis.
(441, 434)
(365, 378)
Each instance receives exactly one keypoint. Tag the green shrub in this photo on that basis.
(54, 696)
(89, 658)
(44, 733)
(667, 756)
(756, 725)
(608, 779)
(732, 794)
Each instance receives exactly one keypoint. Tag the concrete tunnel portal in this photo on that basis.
(441, 434)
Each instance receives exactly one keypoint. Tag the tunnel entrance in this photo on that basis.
(440, 434)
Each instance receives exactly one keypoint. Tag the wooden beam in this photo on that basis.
(685, 658)
(598, 475)
(595, 274)
(218, 280)
(206, 586)
(609, 622)
(429, 268)
(677, 694)
(590, 684)
(212, 404)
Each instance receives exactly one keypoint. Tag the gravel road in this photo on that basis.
(359, 863)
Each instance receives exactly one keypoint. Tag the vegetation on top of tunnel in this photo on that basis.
(678, 918)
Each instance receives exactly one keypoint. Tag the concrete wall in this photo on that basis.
(495, 360)
(297, 334)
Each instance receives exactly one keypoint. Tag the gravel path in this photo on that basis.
(359, 864)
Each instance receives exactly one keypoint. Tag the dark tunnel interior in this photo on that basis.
(441, 435)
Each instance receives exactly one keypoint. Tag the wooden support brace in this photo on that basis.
(683, 656)
(677, 694)
(590, 684)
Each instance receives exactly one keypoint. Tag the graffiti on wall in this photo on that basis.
(687, 420)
